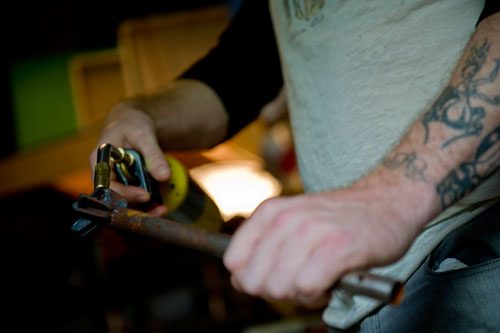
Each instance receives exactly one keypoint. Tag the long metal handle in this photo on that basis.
(380, 288)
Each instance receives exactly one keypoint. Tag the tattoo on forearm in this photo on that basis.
(414, 166)
(461, 108)
(468, 175)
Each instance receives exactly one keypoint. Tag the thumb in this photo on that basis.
(157, 165)
(154, 157)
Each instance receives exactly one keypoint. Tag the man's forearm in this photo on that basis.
(186, 115)
(455, 144)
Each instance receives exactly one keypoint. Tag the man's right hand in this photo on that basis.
(127, 126)
(169, 117)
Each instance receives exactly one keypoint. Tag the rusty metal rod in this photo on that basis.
(380, 288)
(172, 232)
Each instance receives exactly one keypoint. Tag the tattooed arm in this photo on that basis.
(295, 248)
(455, 145)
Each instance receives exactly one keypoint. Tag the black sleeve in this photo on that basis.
(490, 7)
(244, 68)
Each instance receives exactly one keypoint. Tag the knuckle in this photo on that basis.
(269, 205)
(266, 205)
(306, 288)
(139, 134)
(282, 218)
(229, 263)
(251, 288)
(279, 294)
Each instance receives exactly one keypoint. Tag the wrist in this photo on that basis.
(139, 108)
(414, 202)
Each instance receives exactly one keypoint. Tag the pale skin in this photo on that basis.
(296, 248)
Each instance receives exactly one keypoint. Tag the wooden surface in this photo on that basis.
(154, 50)
(42, 165)
(97, 84)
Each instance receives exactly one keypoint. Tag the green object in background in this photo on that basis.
(42, 101)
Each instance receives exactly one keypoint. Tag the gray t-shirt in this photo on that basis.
(358, 74)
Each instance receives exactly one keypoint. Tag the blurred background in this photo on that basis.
(65, 64)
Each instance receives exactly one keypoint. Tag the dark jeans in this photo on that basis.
(460, 300)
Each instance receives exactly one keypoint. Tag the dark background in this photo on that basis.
(38, 28)
(54, 281)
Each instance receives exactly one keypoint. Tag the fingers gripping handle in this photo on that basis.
(356, 283)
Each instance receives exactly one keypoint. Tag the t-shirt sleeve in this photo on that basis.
(490, 7)
(244, 67)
